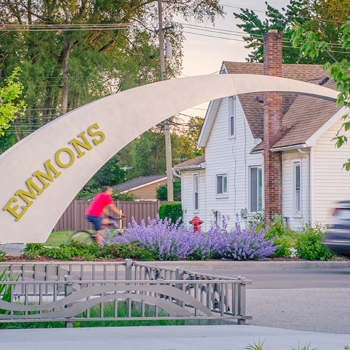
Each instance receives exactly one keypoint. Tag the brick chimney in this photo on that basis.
(272, 127)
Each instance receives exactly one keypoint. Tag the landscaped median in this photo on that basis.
(165, 241)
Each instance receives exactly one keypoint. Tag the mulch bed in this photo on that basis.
(22, 258)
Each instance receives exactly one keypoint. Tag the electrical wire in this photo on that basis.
(237, 7)
(64, 27)
(303, 17)
(211, 36)
(235, 33)
(217, 37)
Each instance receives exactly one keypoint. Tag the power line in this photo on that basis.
(237, 7)
(258, 35)
(212, 36)
(63, 27)
(236, 33)
(303, 17)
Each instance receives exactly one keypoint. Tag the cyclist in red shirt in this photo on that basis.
(98, 208)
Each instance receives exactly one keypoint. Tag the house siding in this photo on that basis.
(330, 181)
(187, 195)
(295, 222)
(231, 156)
(147, 192)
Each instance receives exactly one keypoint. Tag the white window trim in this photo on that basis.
(195, 210)
(297, 214)
(230, 114)
(250, 188)
(224, 194)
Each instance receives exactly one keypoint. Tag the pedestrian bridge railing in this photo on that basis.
(122, 291)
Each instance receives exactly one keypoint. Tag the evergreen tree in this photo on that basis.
(298, 11)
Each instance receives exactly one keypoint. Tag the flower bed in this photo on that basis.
(171, 241)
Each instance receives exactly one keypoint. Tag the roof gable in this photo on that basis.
(138, 182)
(254, 110)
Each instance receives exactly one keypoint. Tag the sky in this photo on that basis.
(204, 51)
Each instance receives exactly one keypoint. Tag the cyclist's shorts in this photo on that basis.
(96, 221)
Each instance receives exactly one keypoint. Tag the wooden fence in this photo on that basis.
(74, 216)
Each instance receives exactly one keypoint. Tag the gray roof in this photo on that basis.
(191, 163)
(138, 182)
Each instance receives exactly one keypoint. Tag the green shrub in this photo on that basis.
(33, 250)
(309, 244)
(89, 251)
(287, 244)
(129, 251)
(171, 210)
(276, 228)
(2, 255)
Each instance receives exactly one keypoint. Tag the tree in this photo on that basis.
(146, 155)
(162, 191)
(67, 63)
(315, 39)
(186, 144)
(109, 175)
(10, 106)
(283, 21)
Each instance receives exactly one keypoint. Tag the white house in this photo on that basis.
(270, 152)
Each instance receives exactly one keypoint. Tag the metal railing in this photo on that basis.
(118, 291)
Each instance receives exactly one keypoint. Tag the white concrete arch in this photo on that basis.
(41, 175)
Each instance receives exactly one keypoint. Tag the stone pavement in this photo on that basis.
(230, 337)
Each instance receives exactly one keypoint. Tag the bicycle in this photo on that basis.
(111, 230)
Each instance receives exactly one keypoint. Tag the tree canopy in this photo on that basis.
(328, 32)
(298, 11)
(146, 154)
(10, 104)
(75, 51)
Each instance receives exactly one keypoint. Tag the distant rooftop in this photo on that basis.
(139, 182)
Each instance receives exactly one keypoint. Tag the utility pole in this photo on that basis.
(168, 157)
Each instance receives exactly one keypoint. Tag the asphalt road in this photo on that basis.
(299, 299)
(314, 278)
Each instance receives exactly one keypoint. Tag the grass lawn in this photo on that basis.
(108, 311)
(57, 238)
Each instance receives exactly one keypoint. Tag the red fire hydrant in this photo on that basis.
(196, 221)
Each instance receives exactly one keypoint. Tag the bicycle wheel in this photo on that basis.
(82, 236)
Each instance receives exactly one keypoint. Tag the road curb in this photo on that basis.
(263, 265)
(12, 246)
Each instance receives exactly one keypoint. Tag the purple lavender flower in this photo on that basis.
(173, 241)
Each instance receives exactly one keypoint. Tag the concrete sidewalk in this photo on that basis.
(230, 337)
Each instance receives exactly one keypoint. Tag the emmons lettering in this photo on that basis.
(64, 158)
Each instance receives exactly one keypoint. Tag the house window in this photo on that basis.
(221, 184)
(195, 192)
(256, 189)
(232, 115)
(297, 187)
